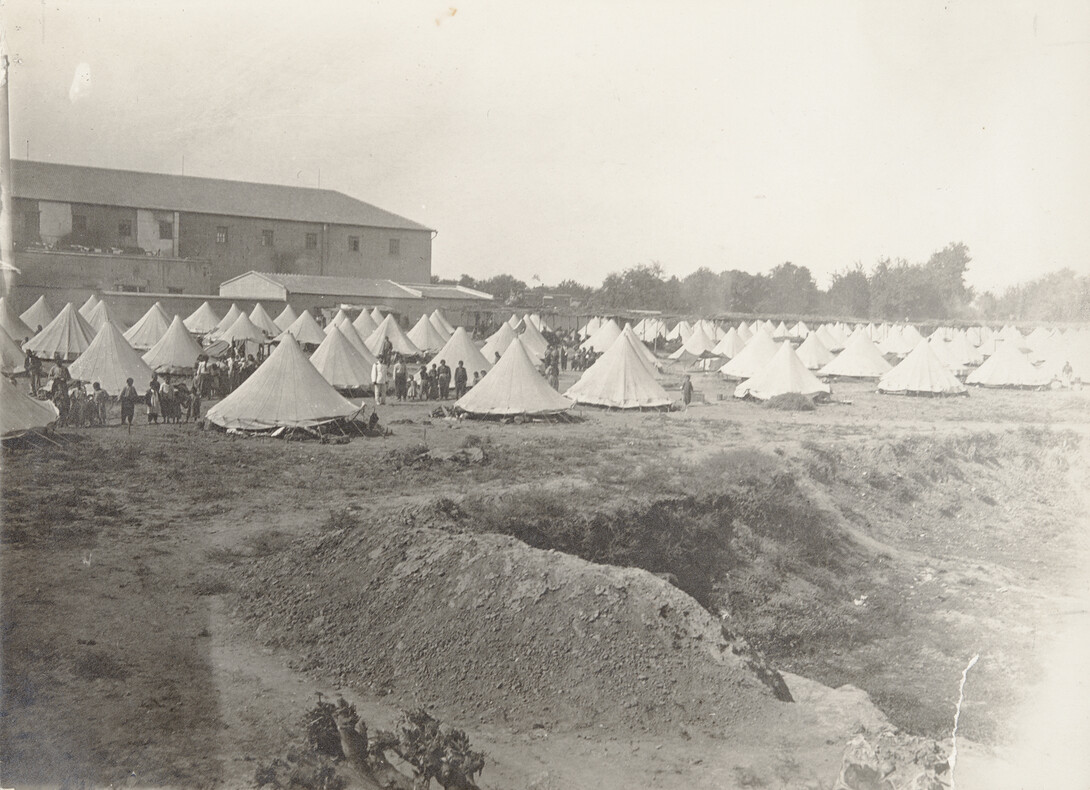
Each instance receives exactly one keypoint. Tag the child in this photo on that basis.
(100, 400)
(129, 397)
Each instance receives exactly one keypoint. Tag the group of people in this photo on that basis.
(432, 383)
(218, 379)
(170, 402)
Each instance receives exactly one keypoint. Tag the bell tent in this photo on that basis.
(512, 387)
(286, 391)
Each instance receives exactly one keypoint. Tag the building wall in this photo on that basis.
(243, 250)
(196, 236)
(104, 272)
(54, 221)
(148, 236)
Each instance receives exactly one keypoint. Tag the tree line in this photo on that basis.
(890, 290)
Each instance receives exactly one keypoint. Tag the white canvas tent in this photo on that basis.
(364, 325)
(784, 373)
(860, 359)
(89, 305)
(731, 345)
(340, 363)
(232, 315)
(461, 349)
(389, 329)
(263, 321)
(202, 320)
(102, 314)
(110, 360)
(286, 391)
(620, 379)
(603, 338)
(645, 353)
(176, 352)
(68, 335)
(813, 353)
(536, 345)
(12, 359)
(1008, 367)
(513, 387)
(286, 318)
(425, 336)
(242, 329)
(37, 315)
(699, 344)
(752, 359)
(498, 342)
(146, 332)
(921, 373)
(305, 330)
(13, 324)
(20, 413)
(441, 321)
(349, 331)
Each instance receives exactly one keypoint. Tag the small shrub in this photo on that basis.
(268, 541)
(342, 518)
(790, 401)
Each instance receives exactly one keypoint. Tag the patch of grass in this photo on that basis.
(267, 541)
(342, 518)
(212, 585)
(790, 401)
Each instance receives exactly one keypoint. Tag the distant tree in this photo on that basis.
(791, 289)
(640, 287)
(467, 282)
(503, 286)
(745, 291)
(574, 289)
(903, 291)
(1057, 296)
(849, 293)
(703, 292)
(947, 269)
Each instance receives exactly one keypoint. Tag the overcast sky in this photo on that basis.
(576, 138)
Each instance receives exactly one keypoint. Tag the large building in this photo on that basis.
(88, 229)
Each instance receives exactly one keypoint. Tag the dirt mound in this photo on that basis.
(483, 626)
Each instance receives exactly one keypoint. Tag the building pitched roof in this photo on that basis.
(327, 285)
(102, 186)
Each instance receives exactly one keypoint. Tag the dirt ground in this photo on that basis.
(175, 599)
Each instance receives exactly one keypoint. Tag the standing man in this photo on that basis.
(444, 379)
(461, 378)
(378, 381)
(129, 397)
(401, 378)
(34, 370)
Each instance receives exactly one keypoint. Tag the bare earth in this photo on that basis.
(174, 599)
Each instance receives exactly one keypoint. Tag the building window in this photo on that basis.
(172, 290)
(221, 234)
(79, 222)
(32, 223)
(266, 238)
(132, 289)
(166, 229)
(124, 229)
(312, 241)
(395, 246)
(354, 243)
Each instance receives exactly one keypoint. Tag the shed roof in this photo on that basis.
(327, 285)
(102, 186)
